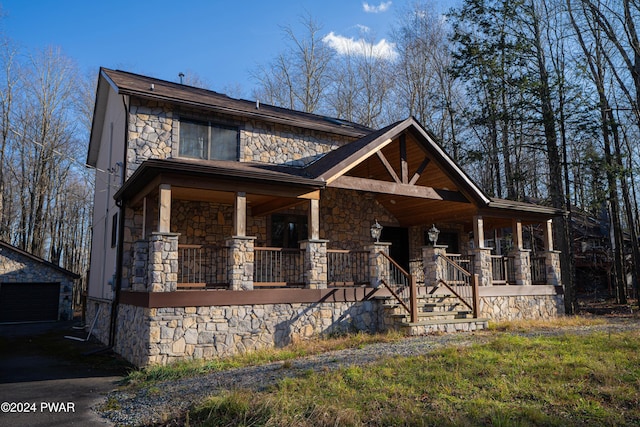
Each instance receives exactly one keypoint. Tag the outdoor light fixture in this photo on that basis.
(433, 234)
(376, 231)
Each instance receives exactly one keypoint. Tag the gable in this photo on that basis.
(408, 172)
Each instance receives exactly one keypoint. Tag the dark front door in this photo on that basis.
(399, 239)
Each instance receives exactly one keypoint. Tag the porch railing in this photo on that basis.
(503, 269)
(278, 267)
(538, 270)
(460, 282)
(467, 262)
(202, 265)
(347, 268)
(402, 286)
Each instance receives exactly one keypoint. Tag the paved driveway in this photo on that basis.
(52, 381)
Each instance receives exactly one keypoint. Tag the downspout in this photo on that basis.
(120, 248)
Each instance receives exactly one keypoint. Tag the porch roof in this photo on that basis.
(232, 176)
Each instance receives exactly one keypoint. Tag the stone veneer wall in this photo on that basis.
(18, 268)
(346, 217)
(154, 133)
(103, 324)
(152, 336)
(521, 307)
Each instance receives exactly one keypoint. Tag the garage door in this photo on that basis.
(26, 302)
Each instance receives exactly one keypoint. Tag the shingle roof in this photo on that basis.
(149, 87)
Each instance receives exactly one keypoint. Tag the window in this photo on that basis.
(288, 230)
(209, 141)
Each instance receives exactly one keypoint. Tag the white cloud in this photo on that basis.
(363, 28)
(382, 7)
(348, 45)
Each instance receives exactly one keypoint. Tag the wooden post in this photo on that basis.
(476, 295)
(517, 234)
(313, 219)
(478, 231)
(240, 215)
(548, 235)
(413, 298)
(164, 208)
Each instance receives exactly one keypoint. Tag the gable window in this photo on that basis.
(208, 141)
(288, 230)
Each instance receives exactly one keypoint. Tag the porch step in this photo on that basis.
(442, 313)
(436, 315)
(425, 327)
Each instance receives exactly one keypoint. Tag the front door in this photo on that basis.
(399, 239)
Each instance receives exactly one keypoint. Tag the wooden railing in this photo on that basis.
(402, 286)
(538, 270)
(347, 268)
(278, 267)
(464, 261)
(460, 282)
(202, 265)
(503, 269)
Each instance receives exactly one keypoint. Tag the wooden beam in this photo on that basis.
(404, 165)
(388, 166)
(421, 168)
(275, 205)
(342, 167)
(394, 188)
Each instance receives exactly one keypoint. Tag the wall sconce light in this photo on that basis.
(376, 231)
(433, 234)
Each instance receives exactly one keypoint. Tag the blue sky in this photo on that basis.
(220, 41)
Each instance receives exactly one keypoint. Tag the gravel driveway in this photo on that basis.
(168, 399)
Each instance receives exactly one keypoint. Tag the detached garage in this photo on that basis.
(32, 289)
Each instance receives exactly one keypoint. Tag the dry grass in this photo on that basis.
(563, 322)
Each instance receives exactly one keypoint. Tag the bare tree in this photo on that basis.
(298, 77)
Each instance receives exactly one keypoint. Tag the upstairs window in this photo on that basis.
(208, 141)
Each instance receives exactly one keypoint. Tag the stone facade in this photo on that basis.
(154, 131)
(240, 266)
(18, 268)
(315, 263)
(521, 307)
(152, 336)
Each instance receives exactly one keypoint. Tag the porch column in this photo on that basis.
(240, 214)
(241, 255)
(552, 257)
(315, 263)
(315, 250)
(140, 261)
(482, 255)
(240, 263)
(521, 256)
(163, 262)
(164, 208)
(434, 270)
(379, 268)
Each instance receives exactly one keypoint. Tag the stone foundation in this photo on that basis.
(158, 336)
(521, 307)
(102, 325)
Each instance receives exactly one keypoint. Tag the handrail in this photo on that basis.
(470, 281)
(412, 307)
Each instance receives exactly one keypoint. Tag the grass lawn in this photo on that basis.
(510, 379)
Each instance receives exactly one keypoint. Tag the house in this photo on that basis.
(224, 225)
(32, 289)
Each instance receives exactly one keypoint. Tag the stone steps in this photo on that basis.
(441, 313)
